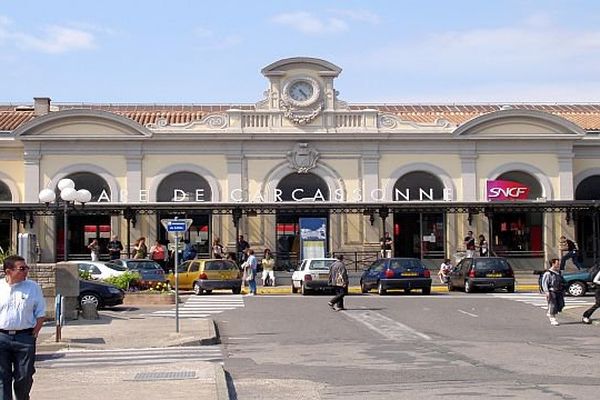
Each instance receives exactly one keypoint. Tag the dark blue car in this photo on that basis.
(396, 273)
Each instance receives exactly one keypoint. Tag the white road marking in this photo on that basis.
(385, 326)
(468, 313)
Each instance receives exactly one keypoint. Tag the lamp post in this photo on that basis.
(69, 196)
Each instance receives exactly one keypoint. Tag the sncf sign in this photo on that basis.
(506, 190)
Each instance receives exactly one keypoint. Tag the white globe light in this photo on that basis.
(47, 196)
(65, 183)
(68, 194)
(83, 196)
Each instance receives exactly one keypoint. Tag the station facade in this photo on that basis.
(302, 144)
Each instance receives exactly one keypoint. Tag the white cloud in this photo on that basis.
(53, 39)
(212, 41)
(358, 15)
(310, 24)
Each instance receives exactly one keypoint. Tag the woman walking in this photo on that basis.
(94, 248)
(140, 248)
(268, 263)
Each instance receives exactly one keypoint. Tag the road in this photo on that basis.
(454, 345)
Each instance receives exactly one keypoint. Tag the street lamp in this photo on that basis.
(69, 196)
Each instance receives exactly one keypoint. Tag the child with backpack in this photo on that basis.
(553, 285)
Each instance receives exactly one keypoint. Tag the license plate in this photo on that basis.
(493, 275)
(409, 274)
(323, 276)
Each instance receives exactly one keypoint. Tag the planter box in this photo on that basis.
(142, 298)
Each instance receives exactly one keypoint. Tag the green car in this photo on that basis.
(578, 283)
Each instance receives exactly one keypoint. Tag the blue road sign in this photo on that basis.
(176, 226)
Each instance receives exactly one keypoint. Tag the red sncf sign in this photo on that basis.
(498, 190)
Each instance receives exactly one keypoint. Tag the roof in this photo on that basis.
(586, 116)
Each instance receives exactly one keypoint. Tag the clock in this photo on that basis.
(301, 91)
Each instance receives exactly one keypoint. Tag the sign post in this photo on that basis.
(176, 226)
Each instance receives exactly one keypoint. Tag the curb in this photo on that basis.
(212, 338)
(356, 289)
(221, 383)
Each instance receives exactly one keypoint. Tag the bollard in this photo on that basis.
(89, 311)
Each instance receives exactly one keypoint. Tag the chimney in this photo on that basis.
(41, 106)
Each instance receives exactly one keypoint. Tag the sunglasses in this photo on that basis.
(21, 269)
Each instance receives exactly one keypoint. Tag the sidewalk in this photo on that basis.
(118, 330)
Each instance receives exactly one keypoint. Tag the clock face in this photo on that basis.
(301, 91)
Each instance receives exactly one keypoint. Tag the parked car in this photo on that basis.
(99, 293)
(396, 273)
(312, 274)
(485, 273)
(150, 271)
(99, 270)
(579, 282)
(204, 276)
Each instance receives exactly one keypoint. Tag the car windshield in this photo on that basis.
(116, 267)
(323, 265)
(405, 264)
(495, 264)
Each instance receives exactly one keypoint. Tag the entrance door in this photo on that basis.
(198, 234)
(419, 235)
(82, 230)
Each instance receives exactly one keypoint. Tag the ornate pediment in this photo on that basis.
(302, 157)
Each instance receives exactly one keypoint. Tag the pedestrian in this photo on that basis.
(22, 310)
(553, 287)
(469, 244)
(445, 269)
(140, 248)
(595, 274)
(115, 247)
(242, 246)
(483, 246)
(338, 279)
(159, 254)
(217, 249)
(569, 246)
(268, 264)
(94, 248)
(251, 265)
(189, 251)
(386, 245)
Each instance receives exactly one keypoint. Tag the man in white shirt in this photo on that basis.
(595, 273)
(22, 310)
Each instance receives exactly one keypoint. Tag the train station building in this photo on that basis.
(520, 174)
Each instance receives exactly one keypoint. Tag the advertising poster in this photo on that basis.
(313, 237)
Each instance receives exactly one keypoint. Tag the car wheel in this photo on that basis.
(208, 291)
(237, 290)
(197, 289)
(427, 290)
(406, 291)
(303, 290)
(576, 289)
(510, 288)
(380, 289)
(90, 298)
(363, 288)
(468, 287)
(294, 288)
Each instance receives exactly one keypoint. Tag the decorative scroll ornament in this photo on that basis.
(210, 121)
(302, 158)
(161, 122)
(300, 116)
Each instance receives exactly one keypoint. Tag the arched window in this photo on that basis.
(588, 189)
(420, 235)
(188, 186)
(92, 182)
(296, 187)
(418, 185)
(524, 178)
(519, 234)
(5, 194)
(587, 224)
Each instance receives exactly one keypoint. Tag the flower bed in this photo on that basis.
(149, 297)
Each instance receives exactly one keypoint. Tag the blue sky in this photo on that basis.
(211, 52)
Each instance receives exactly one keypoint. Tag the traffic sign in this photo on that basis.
(176, 225)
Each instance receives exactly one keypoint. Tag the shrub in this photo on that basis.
(124, 281)
(85, 275)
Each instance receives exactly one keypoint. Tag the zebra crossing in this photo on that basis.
(539, 300)
(203, 306)
(120, 357)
